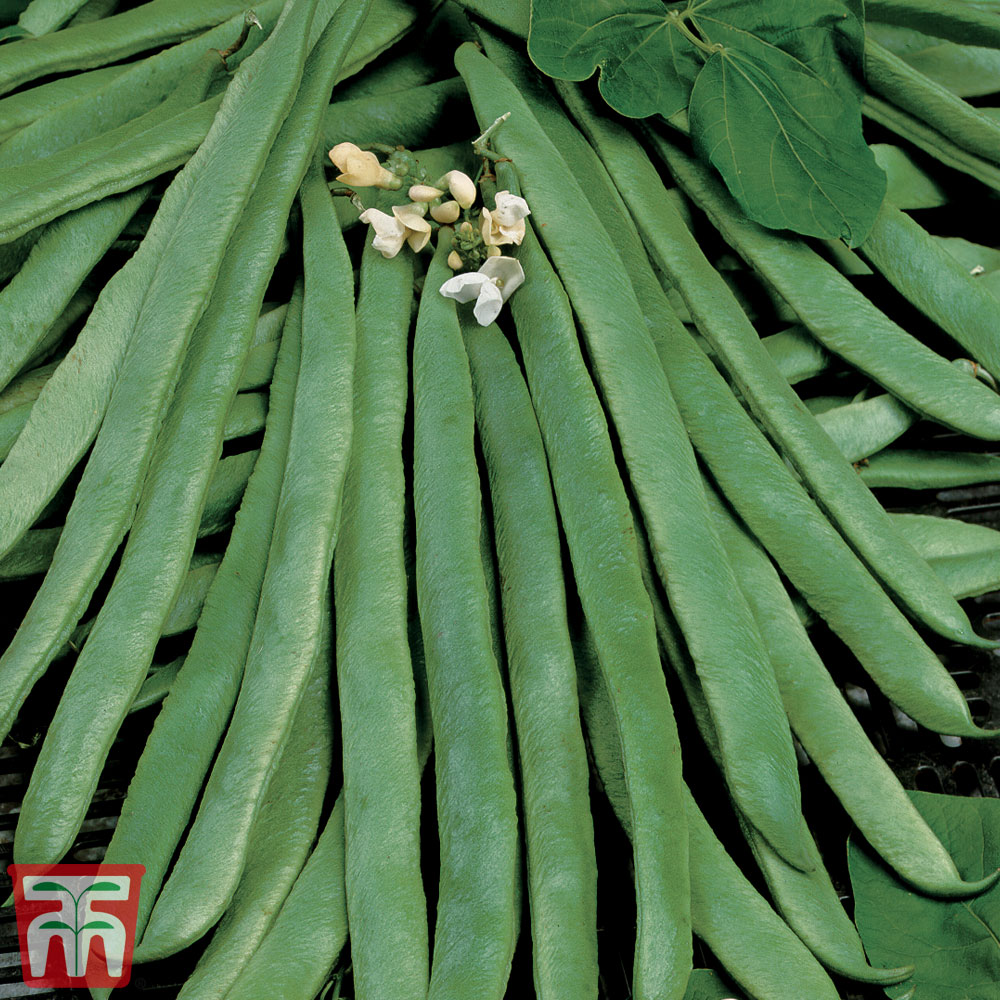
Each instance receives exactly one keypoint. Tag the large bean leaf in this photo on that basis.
(954, 945)
(768, 86)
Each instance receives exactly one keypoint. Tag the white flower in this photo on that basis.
(360, 167)
(491, 286)
(505, 224)
(461, 186)
(405, 225)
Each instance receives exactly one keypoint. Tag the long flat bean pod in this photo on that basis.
(778, 509)
(594, 511)
(42, 16)
(281, 839)
(164, 147)
(897, 81)
(755, 946)
(832, 735)
(562, 869)
(24, 107)
(663, 470)
(195, 716)
(477, 821)
(36, 296)
(956, 20)
(212, 190)
(900, 468)
(936, 283)
(830, 478)
(133, 93)
(385, 895)
(769, 718)
(863, 427)
(965, 556)
(438, 110)
(295, 957)
(151, 24)
(295, 587)
(931, 141)
(840, 317)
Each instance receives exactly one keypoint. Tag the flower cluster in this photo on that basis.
(490, 278)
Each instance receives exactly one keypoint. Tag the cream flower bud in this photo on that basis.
(455, 262)
(447, 212)
(360, 167)
(424, 192)
(493, 251)
(461, 186)
(466, 229)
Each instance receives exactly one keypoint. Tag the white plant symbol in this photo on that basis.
(75, 924)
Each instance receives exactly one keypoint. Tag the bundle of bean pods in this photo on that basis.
(411, 589)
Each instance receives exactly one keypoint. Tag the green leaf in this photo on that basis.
(954, 945)
(52, 925)
(768, 86)
(705, 984)
(647, 66)
(99, 924)
(50, 887)
(785, 140)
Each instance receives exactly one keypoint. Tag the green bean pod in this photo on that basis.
(898, 468)
(210, 191)
(33, 553)
(796, 354)
(437, 111)
(109, 40)
(386, 905)
(156, 686)
(594, 512)
(28, 105)
(909, 186)
(280, 841)
(966, 556)
(145, 85)
(147, 155)
(477, 819)
(935, 282)
(755, 946)
(194, 718)
(842, 319)
(37, 295)
(295, 587)
(833, 737)
(810, 551)
(895, 80)
(296, 956)
(562, 869)
(931, 141)
(956, 20)
(760, 762)
(863, 427)
(850, 504)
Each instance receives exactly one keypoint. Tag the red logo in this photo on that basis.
(76, 923)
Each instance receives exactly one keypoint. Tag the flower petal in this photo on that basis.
(424, 192)
(510, 209)
(464, 287)
(505, 272)
(447, 212)
(489, 303)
